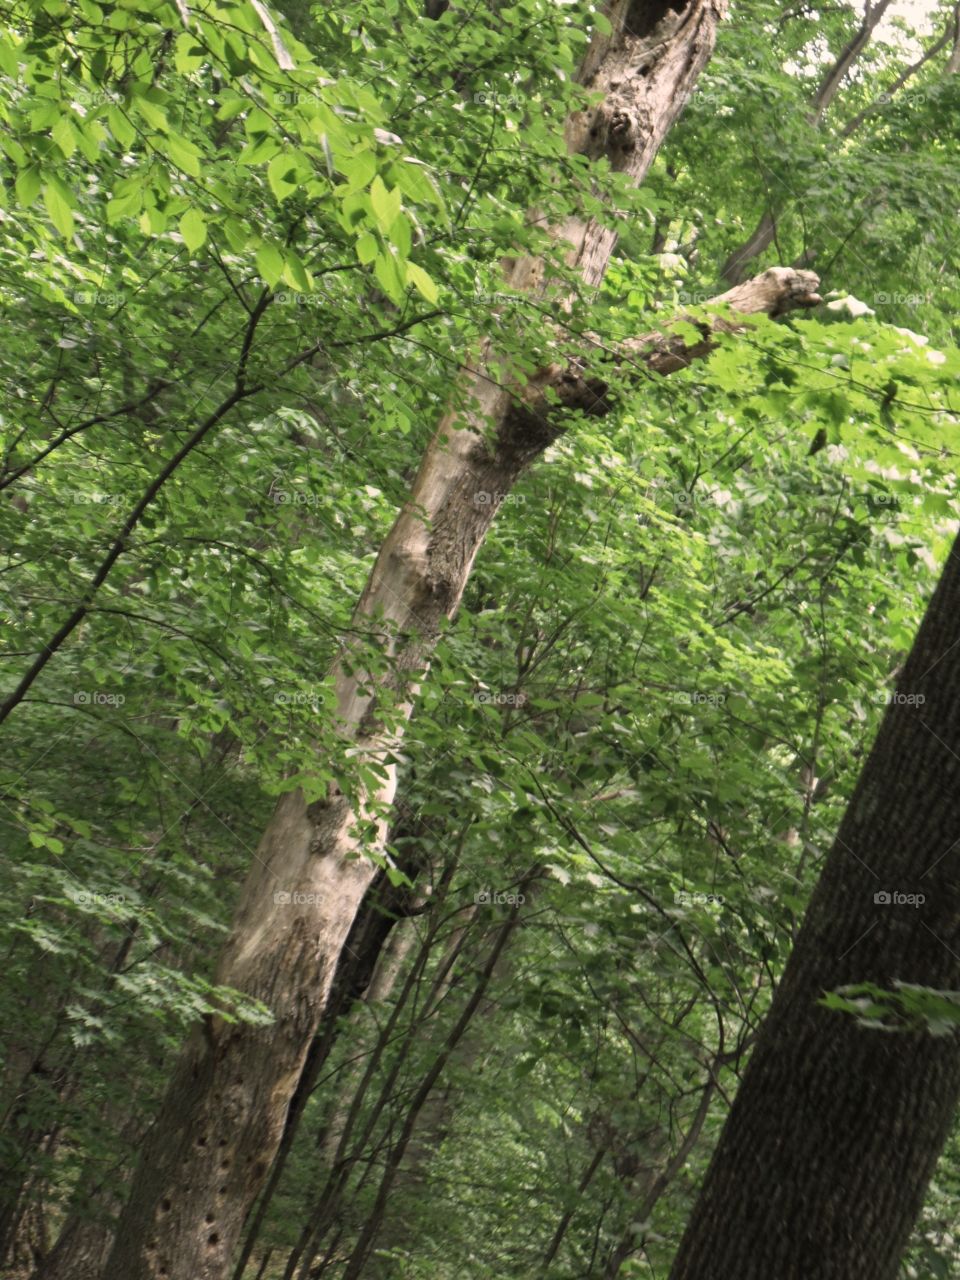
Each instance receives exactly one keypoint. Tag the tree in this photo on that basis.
(834, 1133)
(223, 1114)
(670, 653)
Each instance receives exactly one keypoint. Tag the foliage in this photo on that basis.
(240, 259)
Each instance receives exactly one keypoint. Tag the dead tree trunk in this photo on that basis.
(219, 1126)
(826, 1154)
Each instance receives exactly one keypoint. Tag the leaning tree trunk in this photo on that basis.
(223, 1115)
(222, 1119)
(834, 1133)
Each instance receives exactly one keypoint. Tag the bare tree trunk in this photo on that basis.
(222, 1120)
(831, 82)
(81, 1249)
(832, 1138)
(953, 63)
(735, 267)
(359, 974)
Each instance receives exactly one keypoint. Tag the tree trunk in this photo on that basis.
(80, 1252)
(359, 975)
(220, 1124)
(222, 1120)
(735, 267)
(357, 1262)
(824, 1160)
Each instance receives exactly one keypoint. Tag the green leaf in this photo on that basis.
(28, 185)
(421, 282)
(385, 204)
(120, 126)
(367, 247)
(358, 169)
(389, 276)
(270, 264)
(294, 271)
(65, 136)
(282, 175)
(58, 201)
(184, 155)
(193, 228)
(123, 206)
(154, 114)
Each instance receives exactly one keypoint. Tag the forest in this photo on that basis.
(479, 640)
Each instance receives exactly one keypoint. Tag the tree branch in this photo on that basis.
(537, 417)
(241, 390)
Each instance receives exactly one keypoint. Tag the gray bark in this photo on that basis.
(823, 1163)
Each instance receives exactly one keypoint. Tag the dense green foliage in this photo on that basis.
(238, 269)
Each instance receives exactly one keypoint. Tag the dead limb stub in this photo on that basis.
(541, 413)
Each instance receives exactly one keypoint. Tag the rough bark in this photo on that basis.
(220, 1124)
(824, 1160)
(80, 1251)
(361, 974)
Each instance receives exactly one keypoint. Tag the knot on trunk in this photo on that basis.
(540, 416)
(615, 129)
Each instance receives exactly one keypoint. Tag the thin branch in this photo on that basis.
(69, 432)
(241, 391)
